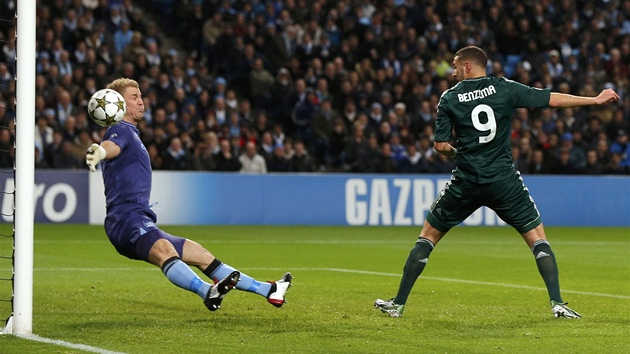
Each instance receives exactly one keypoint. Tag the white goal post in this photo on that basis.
(21, 320)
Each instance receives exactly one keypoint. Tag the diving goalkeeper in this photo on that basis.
(130, 222)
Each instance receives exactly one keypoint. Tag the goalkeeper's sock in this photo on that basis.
(218, 270)
(546, 262)
(180, 274)
(417, 260)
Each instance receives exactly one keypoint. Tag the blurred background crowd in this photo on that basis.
(319, 86)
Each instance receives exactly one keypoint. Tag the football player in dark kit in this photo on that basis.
(479, 109)
(130, 222)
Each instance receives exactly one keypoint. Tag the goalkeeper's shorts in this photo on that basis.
(131, 229)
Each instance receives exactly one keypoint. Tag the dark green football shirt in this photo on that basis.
(480, 111)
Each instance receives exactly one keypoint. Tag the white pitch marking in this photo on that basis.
(355, 271)
(62, 343)
(342, 270)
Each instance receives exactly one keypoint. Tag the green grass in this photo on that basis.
(480, 293)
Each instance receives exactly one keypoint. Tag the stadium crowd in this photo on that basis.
(319, 86)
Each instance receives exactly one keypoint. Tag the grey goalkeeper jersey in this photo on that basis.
(480, 112)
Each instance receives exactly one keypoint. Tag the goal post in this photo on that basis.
(21, 320)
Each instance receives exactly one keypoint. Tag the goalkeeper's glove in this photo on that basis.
(94, 155)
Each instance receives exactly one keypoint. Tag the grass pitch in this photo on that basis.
(480, 293)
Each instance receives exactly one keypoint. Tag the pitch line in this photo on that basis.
(463, 281)
(62, 343)
(356, 271)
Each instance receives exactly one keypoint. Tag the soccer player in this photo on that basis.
(130, 222)
(479, 109)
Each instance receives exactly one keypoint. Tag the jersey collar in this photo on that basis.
(130, 125)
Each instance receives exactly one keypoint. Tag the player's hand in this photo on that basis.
(94, 155)
(606, 96)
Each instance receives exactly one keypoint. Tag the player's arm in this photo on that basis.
(444, 130)
(562, 100)
(445, 148)
(95, 153)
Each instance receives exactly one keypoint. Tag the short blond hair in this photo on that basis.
(121, 84)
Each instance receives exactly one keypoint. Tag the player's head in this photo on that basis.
(121, 84)
(469, 62)
(130, 90)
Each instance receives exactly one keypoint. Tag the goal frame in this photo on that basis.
(21, 320)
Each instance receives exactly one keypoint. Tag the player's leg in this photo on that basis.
(453, 205)
(516, 207)
(417, 260)
(545, 260)
(196, 255)
(164, 251)
(548, 268)
(134, 235)
(449, 209)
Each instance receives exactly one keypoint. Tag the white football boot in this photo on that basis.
(276, 296)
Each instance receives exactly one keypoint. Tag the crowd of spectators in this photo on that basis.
(319, 86)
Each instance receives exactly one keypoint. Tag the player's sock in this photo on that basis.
(180, 274)
(546, 262)
(218, 270)
(417, 260)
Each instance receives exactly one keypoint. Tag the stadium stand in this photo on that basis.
(354, 82)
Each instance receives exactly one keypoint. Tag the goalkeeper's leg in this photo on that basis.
(165, 253)
(274, 291)
(196, 255)
(218, 270)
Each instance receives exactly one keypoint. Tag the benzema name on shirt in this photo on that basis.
(476, 94)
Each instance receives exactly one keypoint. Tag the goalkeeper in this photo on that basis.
(130, 223)
(479, 109)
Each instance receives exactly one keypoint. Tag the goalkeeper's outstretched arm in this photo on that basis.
(95, 153)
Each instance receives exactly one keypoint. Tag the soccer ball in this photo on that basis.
(106, 107)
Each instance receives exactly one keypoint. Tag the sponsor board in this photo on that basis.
(204, 198)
